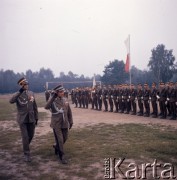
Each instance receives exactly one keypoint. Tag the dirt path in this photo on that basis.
(87, 117)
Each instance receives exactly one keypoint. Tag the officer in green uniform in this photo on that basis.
(61, 120)
(27, 115)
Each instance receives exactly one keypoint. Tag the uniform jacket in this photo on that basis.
(133, 94)
(139, 94)
(146, 94)
(59, 120)
(172, 95)
(154, 93)
(163, 94)
(26, 105)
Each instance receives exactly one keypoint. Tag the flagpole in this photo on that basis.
(130, 63)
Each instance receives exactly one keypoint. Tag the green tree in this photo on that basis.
(114, 73)
(141, 76)
(162, 63)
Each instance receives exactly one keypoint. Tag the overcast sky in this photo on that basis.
(83, 35)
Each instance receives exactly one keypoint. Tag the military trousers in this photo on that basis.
(140, 105)
(168, 106)
(80, 101)
(173, 109)
(105, 104)
(147, 106)
(99, 100)
(76, 101)
(86, 99)
(163, 108)
(111, 104)
(61, 135)
(83, 101)
(116, 104)
(95, 102)
(27, 134)
(120, 104)
(133, 103)
(154, 107)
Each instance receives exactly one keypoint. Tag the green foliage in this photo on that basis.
(114, 73)
(139, 76)
(162, 63)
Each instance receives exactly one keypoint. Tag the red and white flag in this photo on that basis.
(127, 64)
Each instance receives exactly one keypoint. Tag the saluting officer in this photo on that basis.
(61, 120)
(27, 115)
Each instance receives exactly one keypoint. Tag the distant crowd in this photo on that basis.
(157, 102)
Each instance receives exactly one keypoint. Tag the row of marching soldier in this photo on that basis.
(141, 100)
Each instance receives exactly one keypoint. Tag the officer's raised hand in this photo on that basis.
(22, 89)
(54, 94)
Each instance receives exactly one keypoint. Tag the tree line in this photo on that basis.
(161, 66)
(37, 80)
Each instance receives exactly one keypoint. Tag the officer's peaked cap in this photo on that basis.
(59, 88)
(22, 81)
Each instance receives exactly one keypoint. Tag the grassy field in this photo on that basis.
(85, 149)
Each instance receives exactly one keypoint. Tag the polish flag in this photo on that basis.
(127, 64)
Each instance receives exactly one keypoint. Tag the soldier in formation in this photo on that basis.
(140, 100)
